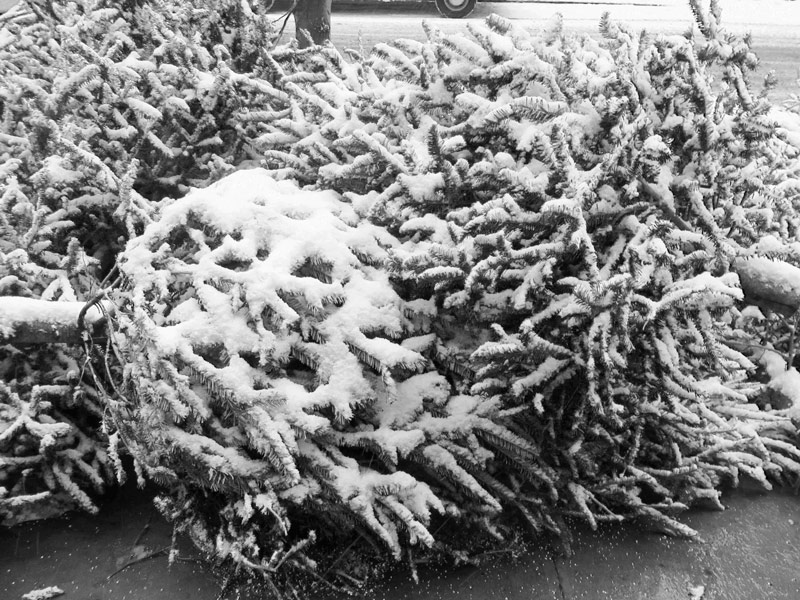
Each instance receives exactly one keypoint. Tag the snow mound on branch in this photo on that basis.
(249, 275)
(269, 273)
(269, 357)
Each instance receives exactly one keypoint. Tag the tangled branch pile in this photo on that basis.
(509, 292)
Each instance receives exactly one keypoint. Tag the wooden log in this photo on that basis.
(34, 321)
(771, 284)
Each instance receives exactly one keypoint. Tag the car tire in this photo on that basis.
(455, 9)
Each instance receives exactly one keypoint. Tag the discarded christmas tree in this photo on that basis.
(578, 212)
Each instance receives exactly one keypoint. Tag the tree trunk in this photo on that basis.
(766, 283)
(771, 284)
(314, 17)
(33, 321)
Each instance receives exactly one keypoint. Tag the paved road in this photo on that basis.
(774, 24)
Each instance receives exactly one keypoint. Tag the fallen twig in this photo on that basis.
(142, 533)
(147, 556)
(341, 556)
(317, 577)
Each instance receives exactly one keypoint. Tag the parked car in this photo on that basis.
(455, 9)
(452, 9)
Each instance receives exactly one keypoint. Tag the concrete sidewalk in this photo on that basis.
(81, 554)
(750, 551)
